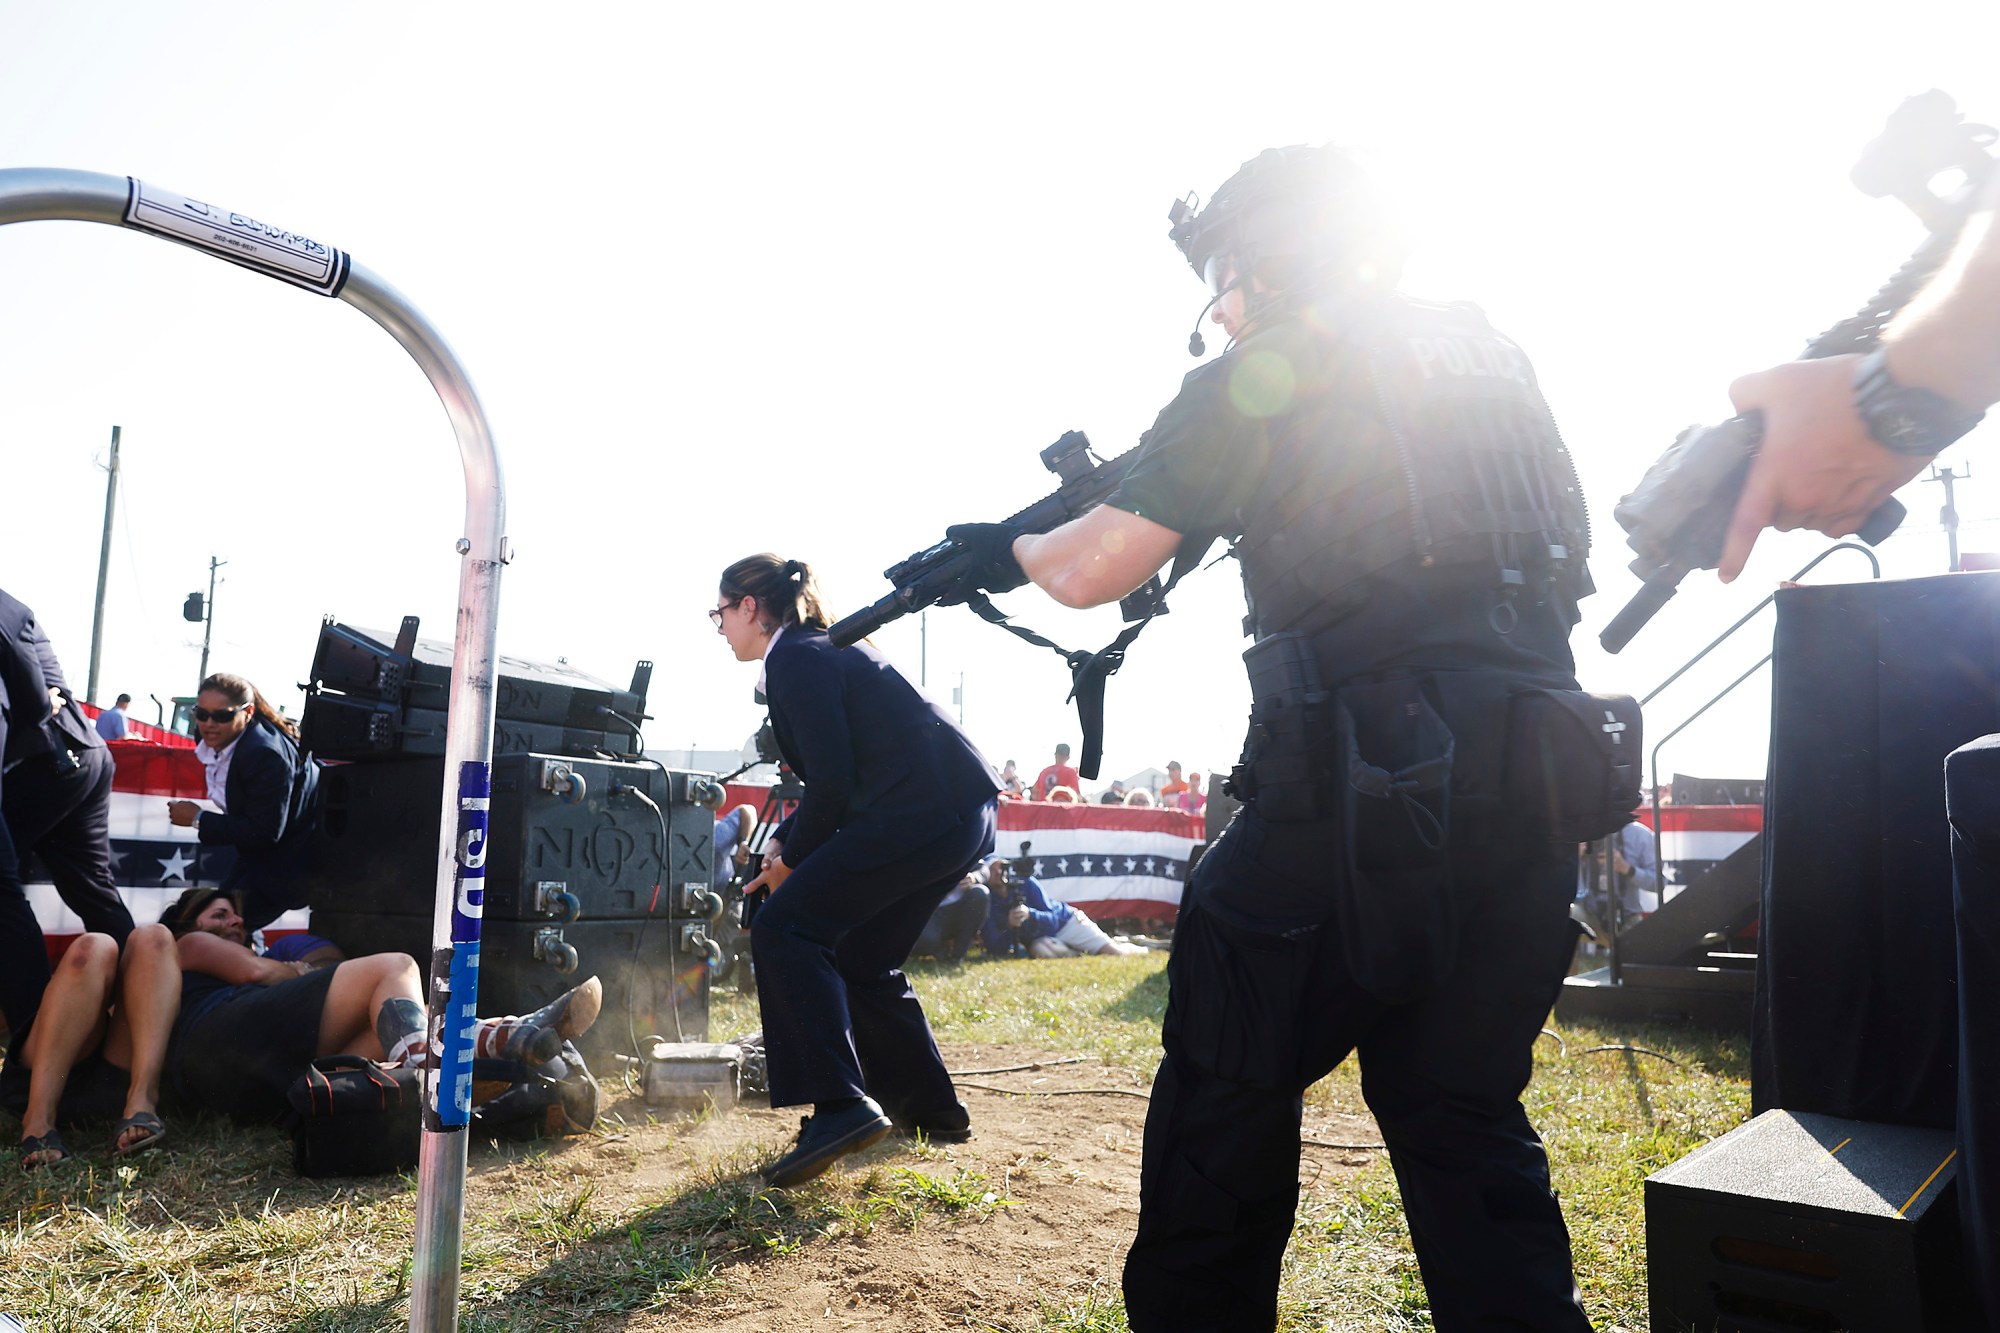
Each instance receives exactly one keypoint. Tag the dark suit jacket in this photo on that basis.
(272, 792)
(881, 763)
(28, 667)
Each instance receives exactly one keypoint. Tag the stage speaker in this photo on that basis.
(655, 970)
(556, 825)
(417, 673)
(1873, 684)
(1795, 1222)
(335, 726)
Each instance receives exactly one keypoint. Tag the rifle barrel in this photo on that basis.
(853, 629)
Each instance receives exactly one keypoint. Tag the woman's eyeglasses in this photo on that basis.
(715, 612)
(219, 714)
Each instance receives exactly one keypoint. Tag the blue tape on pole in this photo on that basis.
(468, 905)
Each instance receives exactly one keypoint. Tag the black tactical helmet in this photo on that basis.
(1315, 208)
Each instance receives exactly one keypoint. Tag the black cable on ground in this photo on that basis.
(1022, 1069)
(1641, 1050)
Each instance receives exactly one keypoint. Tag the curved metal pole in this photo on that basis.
(35, 194)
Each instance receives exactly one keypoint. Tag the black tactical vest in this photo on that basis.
(1427, 448)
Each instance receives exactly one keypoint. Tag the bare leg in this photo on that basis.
(360, 985)
(69, 1025)
(149, 996)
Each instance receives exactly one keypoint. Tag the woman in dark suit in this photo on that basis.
(898, 806)
(265, 792)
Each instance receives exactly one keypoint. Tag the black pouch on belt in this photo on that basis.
(1285, 774)
(1573, 763)
(1398, 922)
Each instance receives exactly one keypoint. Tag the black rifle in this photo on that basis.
(1678, 515)
(933, 575)
(936, 574)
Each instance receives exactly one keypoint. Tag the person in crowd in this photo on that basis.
(1140, 796)
(1841, 433)
(1194, 800)
(954, 927)
(1635, 874)
(250, 1024)
(55, 805)
(97, 1046)
(1011, 786)
(1114, 794)
(265, 793)
(112, 724)
(1021, 915)
(733, 831)
(1058, 774)
(1174, 785)
(898, 806)
(1063, 795)
(1412, 542)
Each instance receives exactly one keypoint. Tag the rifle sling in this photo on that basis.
(1089, 671)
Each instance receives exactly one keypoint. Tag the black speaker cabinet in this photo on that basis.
(557, 825)
(417, 672)
(655, 975)
(1808, 1222)
(1873, 685)
(335, 726)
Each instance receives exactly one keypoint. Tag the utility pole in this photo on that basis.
(1949, 514)
(103, 569)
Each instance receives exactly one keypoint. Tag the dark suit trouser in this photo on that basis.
(1972, 798)
(64, 820)
(840, 1018)
(1255, 1017)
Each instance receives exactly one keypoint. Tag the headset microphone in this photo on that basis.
(1196, 346)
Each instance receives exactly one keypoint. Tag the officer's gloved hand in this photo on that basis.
(991, 546)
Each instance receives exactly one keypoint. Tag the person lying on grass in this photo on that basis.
(96, 1046)
(249, 1025)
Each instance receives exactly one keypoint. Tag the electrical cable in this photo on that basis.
(639, 940)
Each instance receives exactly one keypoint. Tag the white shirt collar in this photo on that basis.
(776, 634)
(217, 763)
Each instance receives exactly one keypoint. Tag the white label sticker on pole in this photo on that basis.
(236, 237)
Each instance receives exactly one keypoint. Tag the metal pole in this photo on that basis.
(1949, 514)
(37, 194)
(103, 569)
(208, 617)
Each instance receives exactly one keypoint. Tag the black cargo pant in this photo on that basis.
(1257, 1015)
(61, 815)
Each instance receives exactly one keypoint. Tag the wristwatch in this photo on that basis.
(1904, 419)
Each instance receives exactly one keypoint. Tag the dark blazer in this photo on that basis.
(28, 667)
(272, 792)
(881, 763)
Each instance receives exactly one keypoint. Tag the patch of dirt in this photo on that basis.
(1069, 1164)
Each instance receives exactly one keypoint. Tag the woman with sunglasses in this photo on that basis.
(898, 806)
(266, 795)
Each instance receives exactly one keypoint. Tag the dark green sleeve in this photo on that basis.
(1205, 457)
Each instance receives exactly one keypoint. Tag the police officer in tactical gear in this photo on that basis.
(1412, 542)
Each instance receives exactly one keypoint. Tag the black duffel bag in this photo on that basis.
(352, 1117)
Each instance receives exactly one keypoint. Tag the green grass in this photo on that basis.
(220, 1235)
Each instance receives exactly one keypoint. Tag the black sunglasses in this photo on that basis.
(218, 715)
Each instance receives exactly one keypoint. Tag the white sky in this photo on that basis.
(822, 279)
